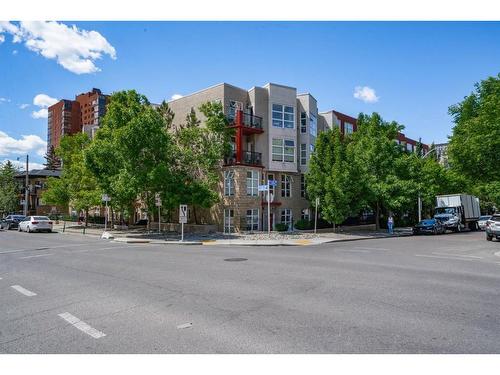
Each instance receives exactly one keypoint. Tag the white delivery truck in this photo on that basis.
(457, 211)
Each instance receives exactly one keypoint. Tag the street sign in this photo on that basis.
(272, 183)
(105, 198)
(183, 214)
(263, 187)
(157, 200)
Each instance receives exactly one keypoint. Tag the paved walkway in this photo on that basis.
(277, 239)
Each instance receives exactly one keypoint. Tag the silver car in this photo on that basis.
(482, 221)
(35, 224)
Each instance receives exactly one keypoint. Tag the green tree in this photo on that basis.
(77, 186)
(333, 178)
(9, 199)
(132, 155)
(52, 161)
(375, 154)
(474, 147)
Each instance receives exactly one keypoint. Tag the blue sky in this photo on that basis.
(416, 69)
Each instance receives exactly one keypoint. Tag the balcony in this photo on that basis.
(249, 123)
(247, 158)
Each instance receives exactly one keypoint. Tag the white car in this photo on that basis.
(35, 224)
(483, 221)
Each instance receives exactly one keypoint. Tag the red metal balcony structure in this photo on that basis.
(245, 124)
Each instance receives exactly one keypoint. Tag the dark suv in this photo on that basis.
(11, 221)
(493, 227)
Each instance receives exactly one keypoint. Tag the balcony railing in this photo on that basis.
(247, 157)
(249, 120)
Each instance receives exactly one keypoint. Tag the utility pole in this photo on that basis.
(316, 215)
(26, 187)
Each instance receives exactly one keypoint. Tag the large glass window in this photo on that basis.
(253, 183)
(233, 106)
(303, 154)
(313, 125)
(409, 147)
(303, 122)
(228, 183)
(283, 150)
(283, 116)
(286, 216)
(348, 128)
(229, 220)
(252, 219)
(286, 185)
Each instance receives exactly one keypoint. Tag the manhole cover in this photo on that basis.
(235, 259)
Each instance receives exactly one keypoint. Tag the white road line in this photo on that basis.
(457, 255)
(442, 257)
(370, 248)
(82, 326)
(21, 290)
(354, 251)
(35, 256)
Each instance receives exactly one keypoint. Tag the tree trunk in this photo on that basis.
(194, 213)
(377, 217)
(86, 216)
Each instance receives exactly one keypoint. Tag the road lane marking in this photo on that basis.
(185, 325)
(370, 248)
(457, 255)
(82, 326)
(35, 256)
(442, 257)
(52, 247)
(354, 250)
(21, 290)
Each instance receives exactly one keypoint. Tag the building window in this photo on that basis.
(233, 107)
(252, 219)
(303, 122)
(286, 216)
(283, 116)
(253, 183)
(303, 154)
(311, 148)
(313, 125)
(228, 183)
(286, 185)
(348, 128)
(409, 147)
(229, 220)
(304, 214)
(302, 186)
(283, 150)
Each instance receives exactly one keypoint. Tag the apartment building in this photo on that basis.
(275, 133)
(68, 117)
(442, 154)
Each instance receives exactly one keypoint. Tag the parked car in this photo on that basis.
(493, 227)
(432, 226)
(35, 224)
(141, 222)
(11, 221)
(482, 221)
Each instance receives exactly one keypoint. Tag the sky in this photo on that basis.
(410, 72)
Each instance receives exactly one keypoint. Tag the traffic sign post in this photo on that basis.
(270, 183)
(105, 198)
(182, 218)
(158, 204)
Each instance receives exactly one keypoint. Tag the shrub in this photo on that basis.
(304, 224)
(281, 227)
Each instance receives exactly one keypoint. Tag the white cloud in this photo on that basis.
(74, 49)
(15, 52)
(43, 101)
(2, 38)
(21, 165)
(23, 106)
(27, 144)
(41, 113)
(4, 100)
(176, 96)
(366, 94)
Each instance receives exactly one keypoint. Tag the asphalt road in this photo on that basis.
(74, 294)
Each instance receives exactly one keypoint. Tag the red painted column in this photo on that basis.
(239, 135)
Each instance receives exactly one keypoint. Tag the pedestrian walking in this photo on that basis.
(390, 224)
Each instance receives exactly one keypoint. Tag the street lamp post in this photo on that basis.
(26, 188)
(419, 197)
